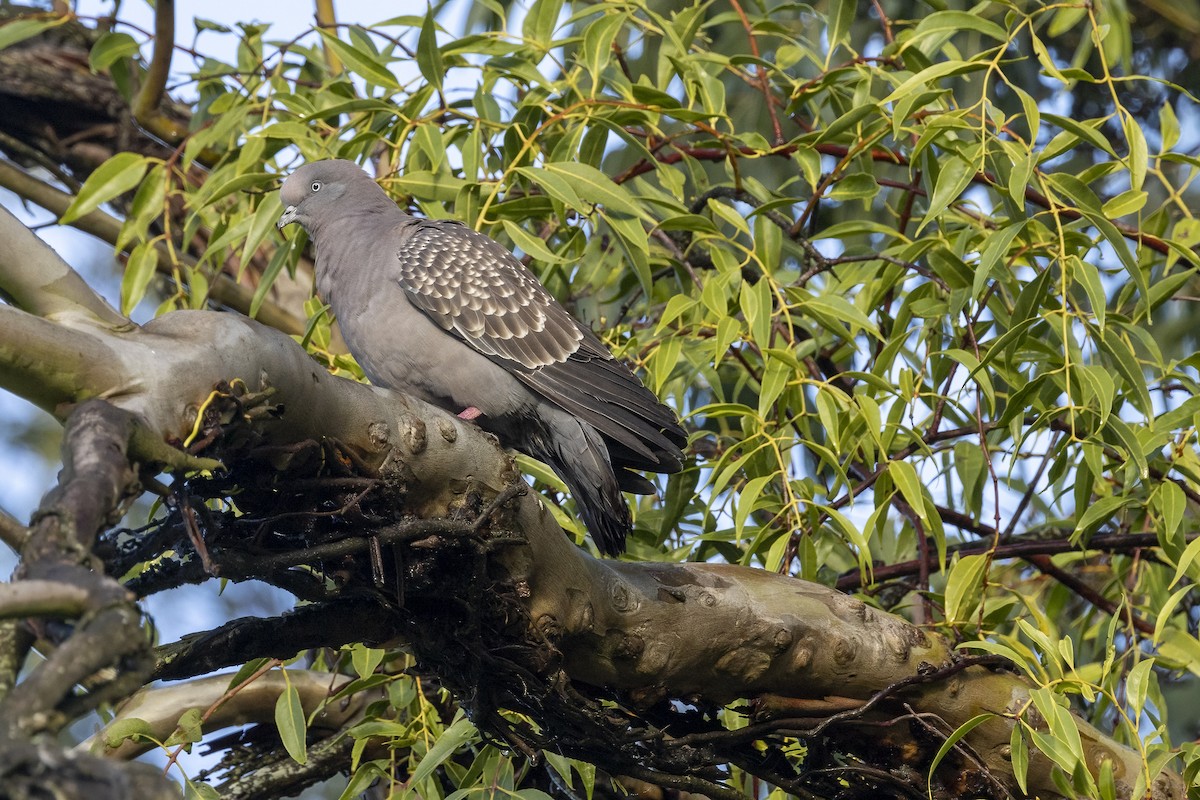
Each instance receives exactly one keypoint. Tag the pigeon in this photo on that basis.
(437, 310)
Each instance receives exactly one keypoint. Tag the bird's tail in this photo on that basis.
(578, 455)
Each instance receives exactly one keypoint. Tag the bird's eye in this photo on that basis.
(316, 186)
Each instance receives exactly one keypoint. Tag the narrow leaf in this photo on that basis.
(139, 271)
(429, 57)
(363, 64)
(21, 29)
(451, 739)
(111, 179)
(289, 718)
(594, 186)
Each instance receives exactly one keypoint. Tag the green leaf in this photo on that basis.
(596, 54)
(930, 75)
(1100, 386)
(1171, 503)
(953, 739)
(595, 187)
(289, 719)
(1127, 202)
(904, 475)
(841, 16)
(451, 739)
(834, 307)
(187, 729)
(429, 57)
(954, 176)
(532, 245)
(1168, 126)
(1083, 130)
(139, 271)
(556, 185)
(964, 582)
(19, 30)
(1190, 554)
(426, 185)
(1138, 157)
(957, 21)
(855, 186)
(1096, 514)
(1123, 358)
(1020, 757)
(1087, 274)
(366, 659)
(540, 22)
(996, 246)
(127, 728)
(1182, 649)
(729, 215)
(109, 48)
(1033, 116)
(1137, 684)
(111, 179)
(775, 380)
(365, 65)
(265, 218)
(747, 499)
(194, 790)
(280, 258)
(756, 304)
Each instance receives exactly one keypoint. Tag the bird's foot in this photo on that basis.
(470, 413)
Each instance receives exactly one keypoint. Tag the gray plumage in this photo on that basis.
(437, 310)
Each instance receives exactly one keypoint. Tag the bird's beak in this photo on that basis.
(288, 217)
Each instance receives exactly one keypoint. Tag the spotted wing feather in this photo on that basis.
(472, 286)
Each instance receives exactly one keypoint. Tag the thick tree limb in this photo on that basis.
(223, 290)
(40, 282)
(307, 627)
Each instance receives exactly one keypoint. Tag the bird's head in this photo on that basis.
(313, 192)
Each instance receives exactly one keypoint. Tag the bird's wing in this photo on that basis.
(473, 287)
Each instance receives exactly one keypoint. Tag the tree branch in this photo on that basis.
(154, 81)
(223, 290)
(41, 599)
(42, 361)
(37, 280)
(95, 481)
(161, 707)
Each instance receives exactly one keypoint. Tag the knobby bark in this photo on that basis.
(485, 588)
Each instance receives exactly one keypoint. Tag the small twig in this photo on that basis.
(1107, 543)
(208, 712)
(760, 74)
(518, 489)
(1046, 566)
(913, 680)
(961, 747)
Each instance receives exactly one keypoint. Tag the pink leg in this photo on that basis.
(470, 413)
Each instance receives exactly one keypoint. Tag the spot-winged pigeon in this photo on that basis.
(437, 310)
